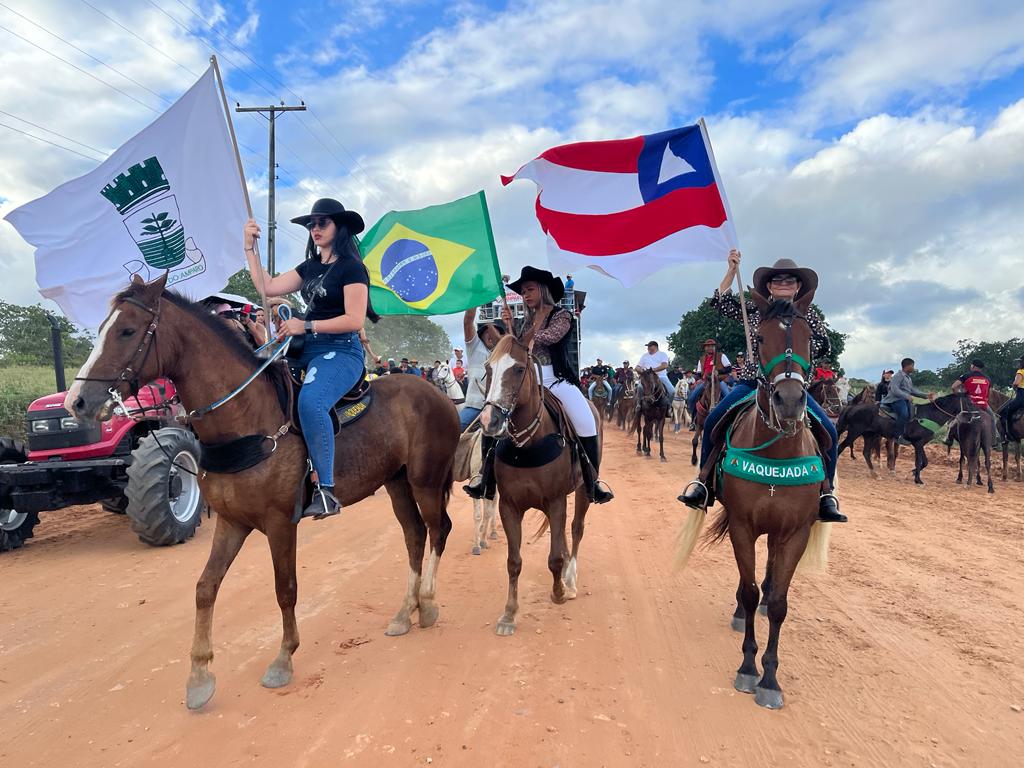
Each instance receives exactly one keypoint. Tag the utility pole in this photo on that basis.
(272, 111)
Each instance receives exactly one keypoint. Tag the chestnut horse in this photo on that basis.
(406, 442)
(709, 398)
(515, 410)
(773, 429)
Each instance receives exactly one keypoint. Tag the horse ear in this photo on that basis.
(804, 303)
(157, 286)
(759, 301)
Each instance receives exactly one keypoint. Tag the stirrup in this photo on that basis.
(324, 504)
(696, 499)
(828, 509)
(475, 488)
(602, 493)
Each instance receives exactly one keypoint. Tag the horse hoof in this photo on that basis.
(428, 615)
(558, 599)
(768, 698)
(763, 609)
(476, 550)
(494, 535)
(739, 624)
(693, 461)
(745, 683)
(664, 460)
(198, 693)
(276, 677)
(397, 628)
(505, 628)
(570, 593)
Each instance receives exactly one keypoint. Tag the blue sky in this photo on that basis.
(881, 143)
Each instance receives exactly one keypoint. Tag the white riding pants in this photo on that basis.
(575, 404)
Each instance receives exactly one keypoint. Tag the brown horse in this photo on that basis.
(655, 405)
(708, 399)
(826, 393)
(515, 410)
(975, 428)
(405, 442)
(625, 406)
(773, 429)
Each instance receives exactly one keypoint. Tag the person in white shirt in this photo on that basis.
(656, 360)
(480, 340)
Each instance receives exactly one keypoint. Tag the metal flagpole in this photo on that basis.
(732, 231)
(258, 280)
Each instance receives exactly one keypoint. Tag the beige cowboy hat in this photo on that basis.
(808, 277)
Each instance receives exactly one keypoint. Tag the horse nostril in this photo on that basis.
(79, 403)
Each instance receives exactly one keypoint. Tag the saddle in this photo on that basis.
(352, 406)
(885, 409)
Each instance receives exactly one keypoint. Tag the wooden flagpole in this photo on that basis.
(258, 280)
(734, 237)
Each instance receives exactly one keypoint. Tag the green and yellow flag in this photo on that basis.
(434, 261)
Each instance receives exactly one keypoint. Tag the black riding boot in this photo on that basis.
(697, 495)
(828, 509)
(482, 486)
(596, 490)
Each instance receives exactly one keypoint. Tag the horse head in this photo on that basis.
(510, 379)
(125, 352)
(784, 342)
(651, 384)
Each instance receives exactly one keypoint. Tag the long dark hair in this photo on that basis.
(345, 246)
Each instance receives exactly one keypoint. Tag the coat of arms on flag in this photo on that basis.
(433, 261)
(630, 207)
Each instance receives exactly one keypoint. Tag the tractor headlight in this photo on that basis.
(69, 424)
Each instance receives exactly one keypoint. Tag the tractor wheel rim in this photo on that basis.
(184, 505)
(11, 520)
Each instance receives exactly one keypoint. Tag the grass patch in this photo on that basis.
(19, 386)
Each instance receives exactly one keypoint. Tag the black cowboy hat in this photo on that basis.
(327, 206)
(542, 276)
(808, 277)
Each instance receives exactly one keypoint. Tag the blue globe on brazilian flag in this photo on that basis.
(434, 261)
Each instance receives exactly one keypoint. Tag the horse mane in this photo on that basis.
(503, 347)
(779, 308)
(277, 374)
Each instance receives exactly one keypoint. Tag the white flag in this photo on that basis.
(170, 200)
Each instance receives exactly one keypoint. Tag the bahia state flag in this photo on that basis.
(434, 261)
(631, 207)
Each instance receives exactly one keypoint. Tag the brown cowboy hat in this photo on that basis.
(542, 276)
(808, 277)
(709, 342)
(327, 206)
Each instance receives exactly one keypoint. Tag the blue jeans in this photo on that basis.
(333, 364)
(607, 388)
(466, 416)
(744, 388)
(902, 410)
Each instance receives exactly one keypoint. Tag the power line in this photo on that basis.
(84, 53)
(140, 38)
(55, 133)
(46, 141)
(83, 71)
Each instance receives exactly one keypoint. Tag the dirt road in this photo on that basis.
(902, 654)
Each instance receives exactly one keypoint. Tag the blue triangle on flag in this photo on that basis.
(673, 160)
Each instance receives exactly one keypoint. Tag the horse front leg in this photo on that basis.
(746, 599)
(698, 427)
(661, 440)
(988, 468)
(281, 537)
(512, 522)
(228, 538)
(558, 551)
(478, 527)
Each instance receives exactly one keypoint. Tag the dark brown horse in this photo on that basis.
(773, 429)
(975, 428)
(515, 409)
(708, 399)
(406, 443)
(866, 420)
(655, 405)
(826, 393)
(1016, 432)
(625, 406)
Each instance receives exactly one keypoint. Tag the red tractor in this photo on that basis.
(139, 463)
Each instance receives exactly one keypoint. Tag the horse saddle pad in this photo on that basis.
(350, 408)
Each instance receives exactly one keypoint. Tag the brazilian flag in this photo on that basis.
(434, 261)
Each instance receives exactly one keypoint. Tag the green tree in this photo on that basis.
(25, 337)
(704, 322)
(241, 284)
(1000, 359)
(413, 336)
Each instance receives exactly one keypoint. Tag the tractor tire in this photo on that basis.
(164, 501)
(15, 527)
(118, 505)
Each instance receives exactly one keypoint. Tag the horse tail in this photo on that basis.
(719, 529)
(815, 556)
(541, 529)
(686, 540)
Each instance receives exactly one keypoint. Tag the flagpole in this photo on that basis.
(258, 280)
(732, 231)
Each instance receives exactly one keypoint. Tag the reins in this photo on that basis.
(523, 436)
(790, 358)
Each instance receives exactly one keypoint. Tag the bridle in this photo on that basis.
(797, 368)
(520, 437)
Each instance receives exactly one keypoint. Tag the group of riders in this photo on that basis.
(334, 284)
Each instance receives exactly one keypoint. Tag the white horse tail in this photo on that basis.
(815, 556)
(686, 540)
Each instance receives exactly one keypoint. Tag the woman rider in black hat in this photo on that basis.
(546, 328)
(783, 280)
(335, 286)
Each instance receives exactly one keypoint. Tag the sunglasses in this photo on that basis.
(318, 222)
(784, 280)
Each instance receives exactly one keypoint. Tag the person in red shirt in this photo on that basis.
(976, 384)
(824, 371)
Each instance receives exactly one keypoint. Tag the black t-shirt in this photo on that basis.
(601, 370)
(323, 285)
